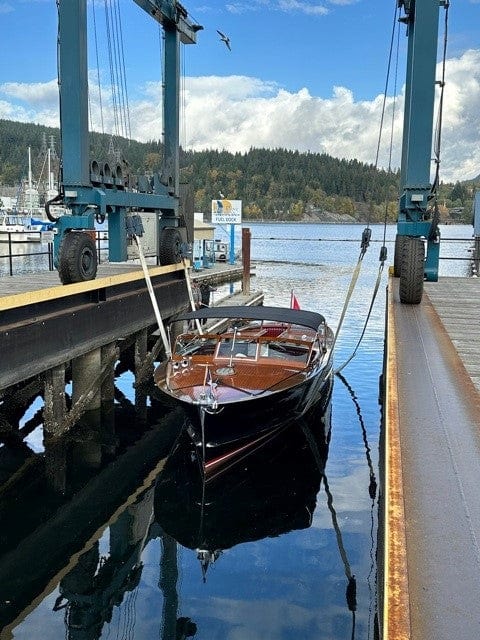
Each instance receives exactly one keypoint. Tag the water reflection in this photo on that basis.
(271, 492)
(55, 543)
(79, 528)
(55, 506)
(68, 569)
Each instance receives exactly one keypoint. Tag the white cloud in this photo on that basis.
(461, 123)
(36, 102)
(5, 7)
(288, 6)
(342, 2)
(302, 7)
(37, 94)
(237, 112)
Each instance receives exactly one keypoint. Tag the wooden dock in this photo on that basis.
(114, 272)
(432, 464)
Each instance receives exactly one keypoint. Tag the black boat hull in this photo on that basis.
(228, 435)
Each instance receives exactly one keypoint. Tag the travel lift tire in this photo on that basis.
(412, 270)
(397, 256)
(77, 257)
(170, 249)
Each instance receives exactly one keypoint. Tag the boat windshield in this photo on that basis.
(237, 348)
(195, 345)
(285, 351)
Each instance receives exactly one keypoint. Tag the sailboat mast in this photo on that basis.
(50, 180)
(30, 197)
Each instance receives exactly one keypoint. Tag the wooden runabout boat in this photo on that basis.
(243, 377)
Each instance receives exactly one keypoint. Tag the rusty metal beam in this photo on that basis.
(396, 605)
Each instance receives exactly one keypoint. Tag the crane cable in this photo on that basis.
(438, 133)
(116, 58)
(100, 99)
(366, 235)
(441, 83)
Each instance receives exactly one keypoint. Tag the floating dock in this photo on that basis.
(431, 567)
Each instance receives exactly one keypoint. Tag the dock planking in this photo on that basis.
(28, 289)
(455, 300)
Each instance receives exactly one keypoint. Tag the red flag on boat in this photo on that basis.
(294, 302)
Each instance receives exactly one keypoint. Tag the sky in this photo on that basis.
(301, 74)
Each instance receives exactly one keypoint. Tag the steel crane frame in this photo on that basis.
(93, 188)
(416, 227)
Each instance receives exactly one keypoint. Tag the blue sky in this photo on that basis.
(304, 74)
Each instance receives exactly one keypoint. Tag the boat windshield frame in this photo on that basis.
(251, 345)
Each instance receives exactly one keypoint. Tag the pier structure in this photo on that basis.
(86, 333)
(430, 545)
(48, 330)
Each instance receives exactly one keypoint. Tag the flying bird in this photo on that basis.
(224, 39)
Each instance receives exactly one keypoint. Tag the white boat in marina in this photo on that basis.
(23, 220)
(16, 227)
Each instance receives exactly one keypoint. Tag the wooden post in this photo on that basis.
(141, 349)
(55, 407)
(246, 236)
(108, 356)
(85, 368)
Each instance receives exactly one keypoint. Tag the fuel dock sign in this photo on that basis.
(226, 211)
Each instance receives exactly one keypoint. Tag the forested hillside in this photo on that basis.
(273, 184)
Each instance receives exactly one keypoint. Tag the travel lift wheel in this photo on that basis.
(77, 257)
(412, 270)
(170, 249)
(397, 256)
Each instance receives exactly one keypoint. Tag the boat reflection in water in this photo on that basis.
(269, 493)
(73, 560)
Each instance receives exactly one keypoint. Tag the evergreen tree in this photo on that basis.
(272, 183)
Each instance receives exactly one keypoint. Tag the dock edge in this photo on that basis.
(396, 604)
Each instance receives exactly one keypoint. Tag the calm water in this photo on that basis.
(113, 558)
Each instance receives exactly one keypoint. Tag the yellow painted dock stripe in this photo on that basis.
(61, 291)
(396, 605)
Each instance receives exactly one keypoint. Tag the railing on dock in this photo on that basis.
(36, 248)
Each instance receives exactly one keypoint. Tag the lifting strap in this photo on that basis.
(158, 315)
(366, 235)
(375, 291)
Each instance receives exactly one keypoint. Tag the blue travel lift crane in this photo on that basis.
(93, 190)
(417, 225)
